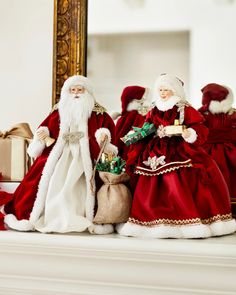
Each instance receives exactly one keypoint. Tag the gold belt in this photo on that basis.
(72, 137)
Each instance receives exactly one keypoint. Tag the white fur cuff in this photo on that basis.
(100, 132)
(193, 136)
(37, 146)
(111, 149)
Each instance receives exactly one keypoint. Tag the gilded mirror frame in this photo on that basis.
(69, 42)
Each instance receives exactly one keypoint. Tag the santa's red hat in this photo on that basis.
(74, 81)
(217, 98)
(131, 93)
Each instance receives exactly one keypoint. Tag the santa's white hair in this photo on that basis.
(75, 109)
(74, 81)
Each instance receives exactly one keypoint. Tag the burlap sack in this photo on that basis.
(114, 199)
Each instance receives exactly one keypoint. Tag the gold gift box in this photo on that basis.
(14, 161)
(175, 130)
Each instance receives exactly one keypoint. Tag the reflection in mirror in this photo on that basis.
(130, 42)
(26, 56)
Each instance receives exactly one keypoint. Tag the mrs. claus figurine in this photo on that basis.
(180, 191)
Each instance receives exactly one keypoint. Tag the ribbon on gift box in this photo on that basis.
(14, 162)
(18, 130)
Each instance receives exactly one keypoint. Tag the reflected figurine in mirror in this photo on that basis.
(180, 192)
(220, 118)
(135, 105)
(56, 195)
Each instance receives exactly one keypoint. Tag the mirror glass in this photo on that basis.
(131, 42)
(26, 55)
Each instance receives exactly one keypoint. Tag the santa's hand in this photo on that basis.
(41, 134)
(186, 133)
(161, 131)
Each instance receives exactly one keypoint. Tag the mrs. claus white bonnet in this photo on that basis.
(171, 83)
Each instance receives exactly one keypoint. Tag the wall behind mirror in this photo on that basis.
(130, 42)
(26, 52)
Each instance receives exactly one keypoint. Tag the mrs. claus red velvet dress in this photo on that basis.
(184, 194)
(221, 145)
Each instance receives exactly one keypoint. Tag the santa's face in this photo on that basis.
(76, 90)
(165, 93)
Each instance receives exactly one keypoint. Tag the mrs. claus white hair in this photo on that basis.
(171, 83)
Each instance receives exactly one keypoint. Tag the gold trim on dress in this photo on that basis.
(173, 222)
(179, 165)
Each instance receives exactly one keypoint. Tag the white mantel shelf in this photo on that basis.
(34, 263)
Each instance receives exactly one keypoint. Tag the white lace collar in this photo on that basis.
(164, 105)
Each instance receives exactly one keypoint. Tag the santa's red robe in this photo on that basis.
(221, 145)
(24, 196)
(184, 195)
(28, 200)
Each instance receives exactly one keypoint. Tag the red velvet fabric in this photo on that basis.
(24, 197)
(123, 126)
(5, 198)
(186, 192)
(213, 91)
(221, 145)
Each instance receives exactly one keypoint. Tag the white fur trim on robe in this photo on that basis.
(217, 228)
(28, 225)
(37, 146)
(193, 136)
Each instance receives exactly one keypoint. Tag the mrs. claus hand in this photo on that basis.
(186, 133)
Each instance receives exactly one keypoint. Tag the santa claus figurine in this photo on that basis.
(220, 118)
(57, 193)
(180, 191)
(135, 106)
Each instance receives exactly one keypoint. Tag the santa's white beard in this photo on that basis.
(76, 110)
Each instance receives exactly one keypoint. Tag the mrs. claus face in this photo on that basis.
(165, 93)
